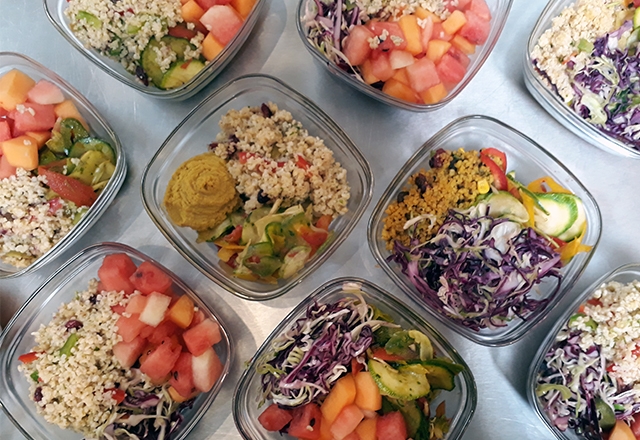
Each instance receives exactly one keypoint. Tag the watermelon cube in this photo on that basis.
(129, 327)
(422, 74)
(5, 131)
(390, 35)
(202, 336)
(206, 4)
(274, 418)
(182, 375)
(356, 46)
(480, 8)
(127, 353)
(223, 22)
(45, 92)
(391, 426)
(381, 66)
(206, 368)
(115, 272)
(136, 304)
(163, 330)
(149, 278)
(307, 422)
(450, 70)
(476, 29)
(159, 363)
(33, 117)
(155, 309)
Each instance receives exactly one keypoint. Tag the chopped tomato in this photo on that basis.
(27, 358)
(324, 221)
(499, 177)
(234, 236)
(302, 163)
(636, 351)
(69, 188)
(383, 355)
(356, 366)
(55, 205)
(116, 394)
(315, 237)
(594, 302)
(496, 156)
(559, 242)
(243, 156)
(611, 368)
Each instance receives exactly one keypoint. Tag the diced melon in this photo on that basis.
(480, 8)
(342, 394)
(163, 330)
(366, 70)
(115, 271)
(14, 87)
(381, 67)
(366, 430)
(399, 90)
(159, 363)
(5, 131)
(412, 33)
(476, 29)
(400, 58)
(325, 430)
(347, 421)
(243, 7)
(390, 33)
(198, 317)
(128, 352)
(211, 47)
(426, 32)
(352, 436)
(33, 117)
(182, 377)
(439, 33)
(368, 395)
(463, 44)
(450, 71)
(454, 22)
(67, 109)
(6, 169)
(223, 22)
(206, 4)
(21, 152)
(422, 75)
(207, 368)
(191, 11)
(436, 49)
(41, 137)
(136, 303)
(154, 310)
(149, 278)
(202, 336)
(401, 75)
(459, 56)
(434, 94)
(424, 13)
(356, 46)
(129, 327)
(391, 426)
(45, 92)
(176, 396)
(181, 313)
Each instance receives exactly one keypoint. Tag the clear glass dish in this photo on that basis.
(59, 288)
(499, 12)
(552, 102)
(99, 127)
(200, 128)
(624, 274)
(460, 402)
(55, 12)
(530, 161)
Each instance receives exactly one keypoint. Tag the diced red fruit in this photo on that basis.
(306, 422)
(127, 353)
(198, 317)
(5, 131)
(28, 357)
(449, 70)
(275, 418)
(346, 422)
(206, 4)
(136, 303)
(116, 394)
(129, 327)
(393, 37)
(115, 271)
(223, 22)
(158, 364)
(202, 336)
(352, 436)
(162, 331)
(391, 426)
(33, 117)
(206, 368)
(457, 4)
(476, 29)
(155, 309)
(459, 56)
(324, 221)
(45, 92)
(356, 46)
(150, 278)
(635, 425)
(439, 33)
(147, 331)
(380, 66)
(400, 58)
(6, 169)
(182, 375)
(422, 74)
(426, 32)
(480, 8)
(116, 308)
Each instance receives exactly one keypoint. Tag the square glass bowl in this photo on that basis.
(624, 274)
(460, 402)
(59, 288)
(553, 103)
(499, 12)
(200, 128)
(99, 128)
(530, 161)
(55, 12)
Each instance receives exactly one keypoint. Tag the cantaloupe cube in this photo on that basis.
(14, 87)
(181, 313)
(211, 47)
(412, 34)
(366, 71)
(41, 137)
(175, 395)
(243, 7)
(401, 75)
(342, 394)
(463, 44)
(191, 11)
(366, 430)
(399, 90)
(67, 109)
(368, 395)
(434, 94)
(21, 152)
(182, 2)
(423, 13)
(454, 22)
(437, 48)
(325, 430)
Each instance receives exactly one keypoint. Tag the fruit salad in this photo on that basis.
(413, 51)
(52, 169)
(126, 357)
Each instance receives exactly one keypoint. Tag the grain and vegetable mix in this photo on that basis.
(453, 182)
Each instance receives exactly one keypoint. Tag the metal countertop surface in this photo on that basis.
(387, 137)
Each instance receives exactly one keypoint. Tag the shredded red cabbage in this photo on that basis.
(479, 270)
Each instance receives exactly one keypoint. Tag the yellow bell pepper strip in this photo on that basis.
(574, 247)
(528, 203)
(537, 186)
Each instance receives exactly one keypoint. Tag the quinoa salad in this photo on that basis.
(593, 364)
(588, 57)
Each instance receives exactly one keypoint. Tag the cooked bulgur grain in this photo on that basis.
(70, 390)
(272, 157)
(30, 224)
(384, 9)
(451, 183)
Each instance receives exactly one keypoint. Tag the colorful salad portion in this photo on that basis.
(345, 370)
(588, 381)
(125, 358)
(475, 242)
(589, 57)
(52, 169)
(415, 51)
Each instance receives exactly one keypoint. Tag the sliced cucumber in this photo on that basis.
(503, 204)
(562, 213)
(636, 18)
(294, 261)
(83, 145)
(181, 72)
(440, 377)
(85, 170)
(89, 18)
(426, 348)
(249, 231)
(406, 383)
(576, 228)
(149, 62)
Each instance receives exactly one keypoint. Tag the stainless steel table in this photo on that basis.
(387, 137)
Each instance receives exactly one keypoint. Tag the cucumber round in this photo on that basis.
(408, 382)
(503, 204)
(576, 228)
(181, 72)
(562, 213)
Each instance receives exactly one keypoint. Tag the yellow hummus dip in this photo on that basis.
(201, 193)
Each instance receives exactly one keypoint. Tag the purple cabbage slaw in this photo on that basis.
(479, 270)
(311, 355)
